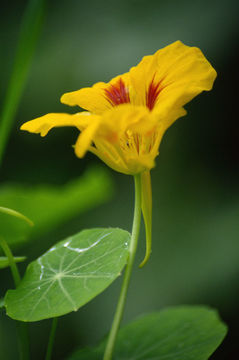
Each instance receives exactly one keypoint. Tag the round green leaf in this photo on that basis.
(69, 275)
(177, 333)
(4, 262)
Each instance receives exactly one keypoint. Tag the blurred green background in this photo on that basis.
(195, 257)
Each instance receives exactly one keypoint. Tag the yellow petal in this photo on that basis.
(125, 117)
(146, 205)
(95, 98)
(45, 123)
(166, 118)
(91, 99)
(85, 138)
(180, 71)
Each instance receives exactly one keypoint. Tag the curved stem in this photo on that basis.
(51, 338)
(128, 271)
(12, 264)
(22, 328)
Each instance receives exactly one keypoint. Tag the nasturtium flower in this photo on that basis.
(127, 117)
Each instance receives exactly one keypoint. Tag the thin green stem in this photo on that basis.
(51, 338)
(12, 264)
(23, 340)
(22, 328)
(128, 271)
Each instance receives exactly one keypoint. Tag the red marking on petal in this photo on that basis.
(152, 93)
(118, 93)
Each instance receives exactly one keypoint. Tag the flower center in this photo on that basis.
(118, 93)
(153, 93)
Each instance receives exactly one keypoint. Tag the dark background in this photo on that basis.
(195, 257)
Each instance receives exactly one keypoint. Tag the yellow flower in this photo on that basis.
(127, 117)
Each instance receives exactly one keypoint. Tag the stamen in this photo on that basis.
(118, 93)
(153, 92)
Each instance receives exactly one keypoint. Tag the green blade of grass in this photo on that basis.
(29, 32)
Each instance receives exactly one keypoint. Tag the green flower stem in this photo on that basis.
(51, 338)
(22, 328)
(128, 271)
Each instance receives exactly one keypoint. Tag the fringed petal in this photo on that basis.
(42, 125)
(85, 139)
